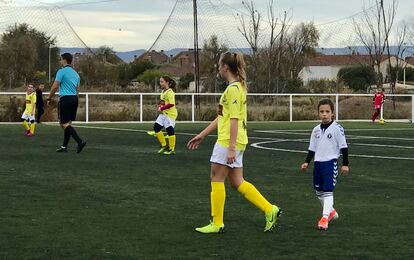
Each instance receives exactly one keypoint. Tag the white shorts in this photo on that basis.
(220, 156)
(28, 117)
(165, 121)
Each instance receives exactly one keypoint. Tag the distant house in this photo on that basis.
(155, 57)
(328, 66)
(410, 61)
(184, 58)
(175, 70)
(181, 64)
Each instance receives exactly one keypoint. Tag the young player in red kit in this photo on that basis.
(378, 100)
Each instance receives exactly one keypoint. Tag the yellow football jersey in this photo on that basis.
(233, 104)
(30, 103)
(168, 97)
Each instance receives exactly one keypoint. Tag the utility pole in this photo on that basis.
(50, 66)
(196, 54)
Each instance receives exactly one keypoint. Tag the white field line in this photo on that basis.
(145, 131)
(347, 130)
(308, 133)
(258, 145)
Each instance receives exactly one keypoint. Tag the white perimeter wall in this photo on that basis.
(319, 72)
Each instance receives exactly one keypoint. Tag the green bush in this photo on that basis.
(358, 77)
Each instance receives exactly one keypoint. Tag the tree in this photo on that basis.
(108, 55)
(300, 43)
(151, 77)
(373, 30)
(358, 78)
(210, 55)
(95, 72)
(250, 29)
(23, 52)
(185, 80)
(275, 66)
(276, 48)
(131, 71)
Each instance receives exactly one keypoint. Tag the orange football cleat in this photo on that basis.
(323, 223)
(333, 215)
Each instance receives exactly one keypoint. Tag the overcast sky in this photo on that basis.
(134, 24)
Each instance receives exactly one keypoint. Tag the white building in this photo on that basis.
(327, 66)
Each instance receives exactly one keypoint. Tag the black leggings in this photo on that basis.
(158, 127)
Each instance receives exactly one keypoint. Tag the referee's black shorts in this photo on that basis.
(68, 106)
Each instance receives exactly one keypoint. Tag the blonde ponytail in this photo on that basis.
(241, 69)
(237, 66)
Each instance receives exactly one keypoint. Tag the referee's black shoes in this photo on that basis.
(80, 147)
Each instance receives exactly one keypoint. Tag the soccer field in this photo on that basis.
(119, 199)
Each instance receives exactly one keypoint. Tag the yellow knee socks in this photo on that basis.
(161, 138)
(171, 142)
(253, 195)
(26, 125)
(32, 128)
(218, 198)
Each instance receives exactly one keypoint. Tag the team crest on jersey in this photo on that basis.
(317, 134)
(329, 136)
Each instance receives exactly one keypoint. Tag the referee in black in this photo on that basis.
(67, 81)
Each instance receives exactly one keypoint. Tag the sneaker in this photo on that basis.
(80, 147)
(151, 133)
(169, 152)
(271, 218)
(323, 223)
(62, 149)
(163, 149)
(333, 215)
(29, 134)
(211, 229)
(26, 132)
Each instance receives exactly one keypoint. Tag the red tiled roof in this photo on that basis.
(176, 71)
(155, 57)
(339, 60)
(410, 60)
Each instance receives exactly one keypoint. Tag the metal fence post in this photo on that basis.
(412, 109)
(87, 108)
(291, 108)
(192, 108)
(337, 107)
(140, 108)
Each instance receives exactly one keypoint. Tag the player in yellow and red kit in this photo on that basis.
(167, 115)
(28, 115)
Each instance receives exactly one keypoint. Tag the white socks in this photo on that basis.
(326, 199)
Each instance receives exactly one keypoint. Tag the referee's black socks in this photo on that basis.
(70, 131)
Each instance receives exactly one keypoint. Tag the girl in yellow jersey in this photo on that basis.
(227, 158)
(168, 115)
(28, 115)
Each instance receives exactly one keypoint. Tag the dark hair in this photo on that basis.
(67, 57)
(171, 83)
(326, 101)
(236, 64)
